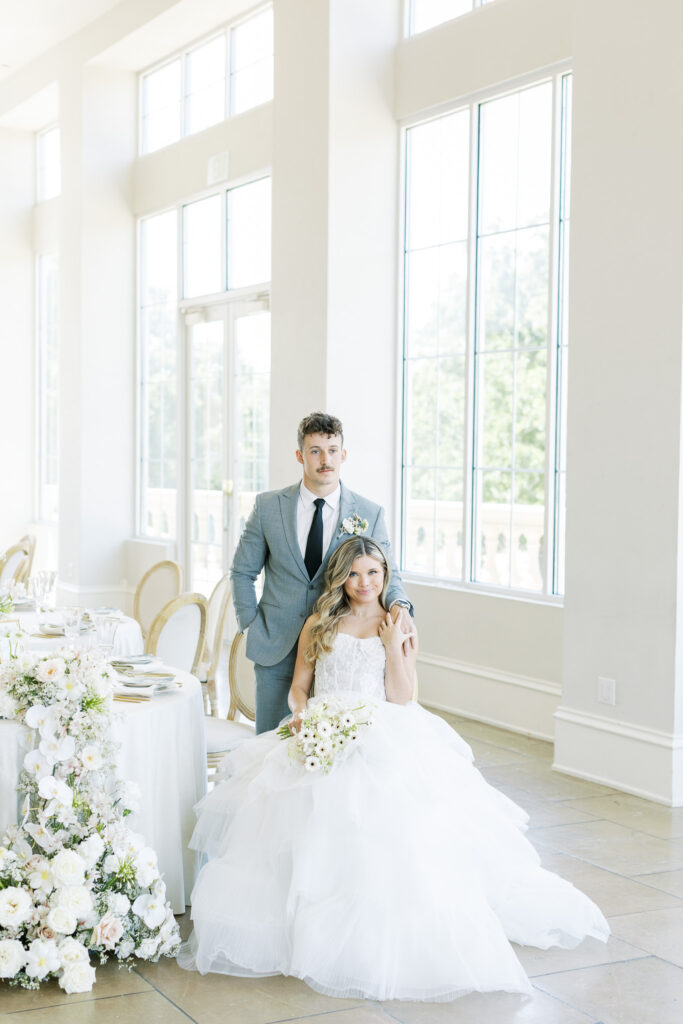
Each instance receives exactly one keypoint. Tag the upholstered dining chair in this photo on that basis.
(224, 734)
(15, 564)
(177, 633)
(157, 587)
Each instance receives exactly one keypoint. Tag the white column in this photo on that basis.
(621, 618)
(97, 331)
(335, 159)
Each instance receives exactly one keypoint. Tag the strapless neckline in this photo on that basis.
(361, 638)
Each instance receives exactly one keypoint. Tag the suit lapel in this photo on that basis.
(347, 506)
(288, 509)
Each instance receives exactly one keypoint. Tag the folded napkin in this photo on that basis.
(129, 668)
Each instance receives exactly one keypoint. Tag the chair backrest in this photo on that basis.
(15, 563)
(177, 633)
(158, 586)
(242, 679)
(29, 541)
(220, 598)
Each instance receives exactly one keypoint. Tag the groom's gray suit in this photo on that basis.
(270, 540)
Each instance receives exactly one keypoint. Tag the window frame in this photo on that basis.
(257, 292)
(472, 101)
(182, 53)
(41, 328)
(409, 17)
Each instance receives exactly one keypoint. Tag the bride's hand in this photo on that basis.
(295, 722)
(391, 634)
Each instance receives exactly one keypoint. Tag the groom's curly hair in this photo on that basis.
(319, 423)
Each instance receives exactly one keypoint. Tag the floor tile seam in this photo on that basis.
(164, 996)
(639, 913)
(331, 1013)
(608, 963)
(564, 1002)
(79, 1002)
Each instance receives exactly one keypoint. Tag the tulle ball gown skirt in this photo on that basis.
(401, 874)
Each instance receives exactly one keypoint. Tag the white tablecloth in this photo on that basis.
(127, 641)
(163, 749)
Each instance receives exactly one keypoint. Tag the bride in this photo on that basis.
(401, 874)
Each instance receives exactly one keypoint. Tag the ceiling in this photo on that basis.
(30, 27)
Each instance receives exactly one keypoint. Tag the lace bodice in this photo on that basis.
(353, 665)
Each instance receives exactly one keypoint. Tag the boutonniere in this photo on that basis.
(353, 525)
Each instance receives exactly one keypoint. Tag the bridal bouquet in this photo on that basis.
(74, 879)
(328, 730)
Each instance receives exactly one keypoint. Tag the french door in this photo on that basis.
(227, 353)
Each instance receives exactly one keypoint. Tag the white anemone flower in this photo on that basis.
(312, 763)
(323, 727)
(42, 958)
(51, 670)
(91, 758)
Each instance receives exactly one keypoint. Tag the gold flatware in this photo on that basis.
(131, 699)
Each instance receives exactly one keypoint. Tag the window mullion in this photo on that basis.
(470, 432)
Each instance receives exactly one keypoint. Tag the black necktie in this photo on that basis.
(314, 544)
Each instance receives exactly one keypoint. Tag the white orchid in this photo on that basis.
(150, 909)
(42, 958)
(38, 764)
(51, 788)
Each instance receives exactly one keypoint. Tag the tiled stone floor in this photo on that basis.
(626, 853)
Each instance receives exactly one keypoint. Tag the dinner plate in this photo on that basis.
(134, 659)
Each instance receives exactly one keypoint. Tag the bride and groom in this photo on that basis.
(401, 874)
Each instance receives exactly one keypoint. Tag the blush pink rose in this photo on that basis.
(108, 932)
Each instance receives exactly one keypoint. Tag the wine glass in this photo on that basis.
(106, 627)
(36, 589)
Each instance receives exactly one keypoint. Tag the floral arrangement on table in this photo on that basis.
(74, 879)
(9, 594)
(328, 731)
(353, 526)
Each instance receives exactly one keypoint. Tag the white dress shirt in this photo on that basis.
(304, 516)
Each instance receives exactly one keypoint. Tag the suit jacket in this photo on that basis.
(270, 540)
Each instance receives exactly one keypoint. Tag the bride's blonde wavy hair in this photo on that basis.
(333, 603)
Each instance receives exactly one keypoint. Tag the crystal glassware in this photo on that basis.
(72, 623)
(106, 627)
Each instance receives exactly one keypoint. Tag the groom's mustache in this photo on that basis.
(323, 469)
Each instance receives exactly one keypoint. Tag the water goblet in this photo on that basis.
(49, 578)
(36, 589)
(106, 627)
(72, 624)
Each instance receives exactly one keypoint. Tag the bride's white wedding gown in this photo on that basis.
(399, 875)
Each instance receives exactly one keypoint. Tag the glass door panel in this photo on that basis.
(206, 348)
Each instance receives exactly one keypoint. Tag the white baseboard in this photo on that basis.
(635, 759)
(519, 703)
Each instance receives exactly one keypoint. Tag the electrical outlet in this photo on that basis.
(607, 690)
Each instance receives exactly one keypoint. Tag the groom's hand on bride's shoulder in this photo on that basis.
(401, 617)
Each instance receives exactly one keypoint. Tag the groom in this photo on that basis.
(292, 533)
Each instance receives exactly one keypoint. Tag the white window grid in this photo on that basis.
(182, 54)
(448, 10)
(253, 292)
(47, 387)
(556, 406)
(43, 190)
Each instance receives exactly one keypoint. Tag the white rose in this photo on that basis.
(12, 957)
(75, 898)
(42, 958)
(68, 868)
(62, 920)
(91, 849)
(54, 789)
(79, 977)
(118, 903)
(348, 525)
(91, 758)
(71, 951)
(150, 909)
(147, 948)
(16, 906)
(51, 670)
(125, 949)
(38, 764)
